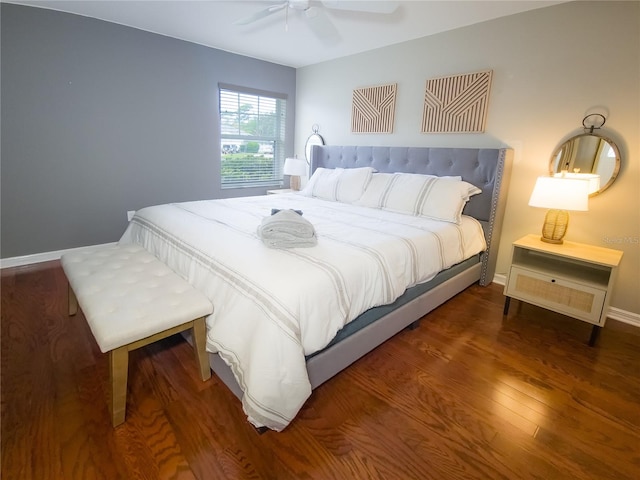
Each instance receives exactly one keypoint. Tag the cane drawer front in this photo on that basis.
(566, 296)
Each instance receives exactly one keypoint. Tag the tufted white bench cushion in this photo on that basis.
(130, 299)
(127, 294)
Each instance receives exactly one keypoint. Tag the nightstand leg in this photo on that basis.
(507, 301)
(595, 332)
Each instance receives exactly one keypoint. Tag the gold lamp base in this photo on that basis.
(555, 226)
(294, 182)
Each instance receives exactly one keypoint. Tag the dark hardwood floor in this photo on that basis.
(467, 395)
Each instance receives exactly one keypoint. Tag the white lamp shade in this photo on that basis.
(295, 166)
(592, 178)
(560, 193)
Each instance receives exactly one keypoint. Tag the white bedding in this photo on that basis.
(273, 307)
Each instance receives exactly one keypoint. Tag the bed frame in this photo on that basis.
(488, 169)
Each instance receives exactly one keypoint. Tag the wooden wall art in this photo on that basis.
(373, 109)
(456, 103)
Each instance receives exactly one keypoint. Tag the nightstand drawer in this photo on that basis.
(555, 293)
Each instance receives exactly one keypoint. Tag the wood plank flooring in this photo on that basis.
(469, 394)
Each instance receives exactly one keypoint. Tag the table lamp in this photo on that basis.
(592, 178)
(295, 167)
(559, 194)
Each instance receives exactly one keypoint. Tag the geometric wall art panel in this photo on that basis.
(456, 103)
(373, 109)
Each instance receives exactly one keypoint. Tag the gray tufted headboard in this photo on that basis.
(487, 168)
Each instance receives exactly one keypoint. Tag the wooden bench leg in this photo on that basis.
(73, 302)
(119, 364)
(199, 335)
(118, 372)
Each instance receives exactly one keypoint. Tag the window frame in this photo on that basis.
(236, 140)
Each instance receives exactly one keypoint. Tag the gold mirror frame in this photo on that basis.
(588, 153)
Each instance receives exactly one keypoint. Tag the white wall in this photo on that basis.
(551, 67)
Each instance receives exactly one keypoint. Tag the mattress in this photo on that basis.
(273, 308)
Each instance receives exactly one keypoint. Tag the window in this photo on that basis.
(252, 133)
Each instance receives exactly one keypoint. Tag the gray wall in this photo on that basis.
(551, 66)
(98, 119)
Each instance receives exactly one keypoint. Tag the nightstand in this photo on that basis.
(280, 190)
(573, 279)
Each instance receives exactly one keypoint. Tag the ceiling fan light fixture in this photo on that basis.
(320, 24)
(311, 12)
(372, 6)
(316, 16)
(298, 4)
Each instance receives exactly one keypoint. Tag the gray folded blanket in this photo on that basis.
(287, 229)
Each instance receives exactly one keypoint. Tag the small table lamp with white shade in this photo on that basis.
(560, 194)
(295, 167)
(592, 178)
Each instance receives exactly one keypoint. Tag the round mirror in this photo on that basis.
(588, 153)
(314, 139)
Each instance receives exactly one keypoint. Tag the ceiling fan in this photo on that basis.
(315, 16)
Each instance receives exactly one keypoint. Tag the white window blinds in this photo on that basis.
(252, 131)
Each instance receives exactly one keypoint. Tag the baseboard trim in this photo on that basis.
(624, 316)
(43, 257)
(499, 278)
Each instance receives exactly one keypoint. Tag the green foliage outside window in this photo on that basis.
(252, 147)
(244, 167)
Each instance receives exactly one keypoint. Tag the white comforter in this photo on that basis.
(273, 307)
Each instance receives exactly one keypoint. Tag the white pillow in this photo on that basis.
(339, 185)
(446, 200)
(308, 188)
(439, 198)
(374, 194)
(450, 177)
(352, 183)
(398, 192)
(322, 184)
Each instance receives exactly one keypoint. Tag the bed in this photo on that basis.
(287, 320)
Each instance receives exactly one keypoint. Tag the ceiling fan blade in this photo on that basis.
(321, 25)
(260, 14)
(372, 6)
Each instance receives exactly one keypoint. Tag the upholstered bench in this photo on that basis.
(130, 299)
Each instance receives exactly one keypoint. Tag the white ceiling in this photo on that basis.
(210, 23)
